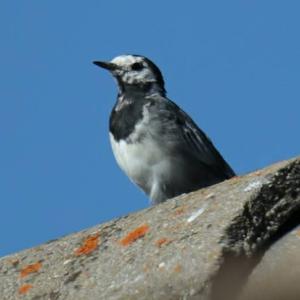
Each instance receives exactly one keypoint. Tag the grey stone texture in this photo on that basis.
(239, 239)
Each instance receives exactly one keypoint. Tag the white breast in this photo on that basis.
(141, 161)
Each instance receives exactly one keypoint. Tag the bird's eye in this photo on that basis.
(137, 66)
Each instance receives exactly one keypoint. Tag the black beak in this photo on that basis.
(105, 65)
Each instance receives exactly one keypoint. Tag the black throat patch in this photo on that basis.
(124, 116)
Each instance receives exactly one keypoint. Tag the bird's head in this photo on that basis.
(135, 72)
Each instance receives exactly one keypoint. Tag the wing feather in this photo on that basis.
(178, 123)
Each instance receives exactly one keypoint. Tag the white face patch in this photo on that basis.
(130, 76)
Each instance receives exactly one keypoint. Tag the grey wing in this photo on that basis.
(178, 123)
(204, 148)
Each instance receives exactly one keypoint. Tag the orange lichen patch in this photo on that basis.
(33, 268)
(178, 268)
(89, 245)
(162, 241)
(234, 180)
(25, 288)
(134, 235)
(179, 211)
(14, 262)
(298, 232)
(256, 173)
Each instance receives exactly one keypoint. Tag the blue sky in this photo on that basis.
(234, 66)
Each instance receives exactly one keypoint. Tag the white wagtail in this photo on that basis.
(155, 143)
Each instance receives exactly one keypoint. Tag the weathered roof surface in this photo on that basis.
(220, 242)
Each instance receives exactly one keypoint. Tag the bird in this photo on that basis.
(158, 145)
